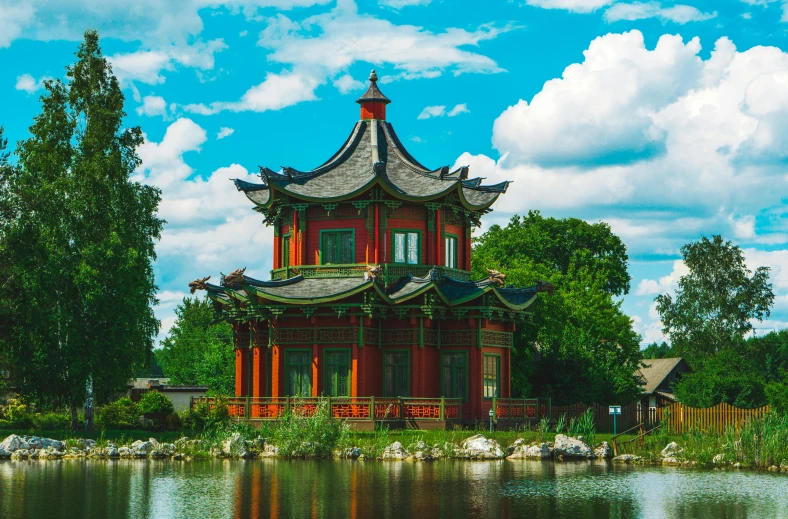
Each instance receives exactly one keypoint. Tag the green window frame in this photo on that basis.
(285, 251)
(298, 370)
(336, 372)
(406, 246)
(491, 375)
(396, 373)
(337, 246)
(450, 250)
(454, 374)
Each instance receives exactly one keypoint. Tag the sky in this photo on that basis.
(667, 120)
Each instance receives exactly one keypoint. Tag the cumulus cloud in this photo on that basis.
(399, 4)
(678, 13)
(153, 106)
(346, 83)
(224, 132)
(206, 216)
(664, 285)
(576, 6)
(29, 84)
(440, 111)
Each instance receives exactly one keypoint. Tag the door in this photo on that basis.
(298, 366)
(396, 373)
(336, 372)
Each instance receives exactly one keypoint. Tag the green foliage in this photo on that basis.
(16, 410)
(202, 417)
(198, 352)
(729, 376)
(580, 346)
(120, 414)
(51, 421)
(544, 425)
(715, 302)
(317, 435)
(560, 424)
(777, 394)
(658, 351)
(154, 402)
(77, 243)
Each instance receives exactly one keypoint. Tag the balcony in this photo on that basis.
(390, 274)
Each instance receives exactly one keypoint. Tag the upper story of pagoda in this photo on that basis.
(371, 203)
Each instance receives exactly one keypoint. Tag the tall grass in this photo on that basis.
(315, 435)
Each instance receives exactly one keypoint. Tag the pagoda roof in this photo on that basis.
(371, 155)
(309, 291)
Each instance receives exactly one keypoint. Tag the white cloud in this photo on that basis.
(346, 83)
(432, 111)
(576, 6)
(29, 84)
(458, 109)
(776, 260)
(399, 4)
(277, 91)
(678, 13)
(144, 66)
(224, 132)
(665, 285)
(743, 227)
(153, 106)
(440, 111)
(13, 18)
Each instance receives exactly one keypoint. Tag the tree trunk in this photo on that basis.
(74, 418)
(89, 405)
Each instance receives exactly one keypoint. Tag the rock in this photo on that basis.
(533, 451)
(572, 448)
(603, 451)
(179, 457)
(395, 451)
(4, 454)
(141, 448)
(55, 444)
(49, 454)
(627, 458)
(233, 446)
(153, 442)
(351, 453)
(478, 447)
(423, 452)
(671, 450)
(269, 451)
(718, 459)
(84, 443)
(670, 460)
(737, 465)
(784, 466)
(112, 452)
(20, 454)
(125, 452)
(34, 442)
(13, 443)
(773, 468)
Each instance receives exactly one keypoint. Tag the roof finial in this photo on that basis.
(373, 76)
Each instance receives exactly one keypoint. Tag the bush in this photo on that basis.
(16, 415)
(313, 436)
(202, 417)
(121, 414)
(51, 421)
(155, 402)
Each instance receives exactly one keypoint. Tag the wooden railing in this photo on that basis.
(352, 408)
(680, 418)
(521, 408)
(640, 431)
(390, 272)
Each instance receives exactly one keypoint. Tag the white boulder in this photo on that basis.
(603, 451)
(395, 451)
(519, 450)
(567, 447)
(13, 443)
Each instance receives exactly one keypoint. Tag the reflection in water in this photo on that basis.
(303, 489)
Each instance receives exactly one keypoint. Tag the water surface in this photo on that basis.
(303, 489)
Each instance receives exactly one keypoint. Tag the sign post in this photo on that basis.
(615, 410)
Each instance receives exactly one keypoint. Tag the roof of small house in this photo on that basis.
(655, 371)
(146, 382)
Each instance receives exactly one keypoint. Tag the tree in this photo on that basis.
(658, 351)
(716, 302)
(81, 243)
(579, 345)
(197, 351)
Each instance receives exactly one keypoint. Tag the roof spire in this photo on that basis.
(373, 102)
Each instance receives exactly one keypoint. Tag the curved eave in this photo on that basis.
(456, 302)
(309, 300)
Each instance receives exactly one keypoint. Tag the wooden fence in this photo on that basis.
(682, 419)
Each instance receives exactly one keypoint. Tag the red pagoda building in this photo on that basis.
(371, 300)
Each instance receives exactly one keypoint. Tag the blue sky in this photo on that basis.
(666, 120)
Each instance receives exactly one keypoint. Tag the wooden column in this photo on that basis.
(438, 237)
(316, 378)
(241, 332)
(377, 230)
(259, 364)
(294, 239)
(355, 365)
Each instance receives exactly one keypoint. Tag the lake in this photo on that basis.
(305, 489)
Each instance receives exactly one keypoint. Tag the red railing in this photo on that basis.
(353, 408)
(521, 408)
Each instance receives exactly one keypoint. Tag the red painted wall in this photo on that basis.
(312, 240)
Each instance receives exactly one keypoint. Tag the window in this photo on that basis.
(454, 376)
(285, 251)
(396, 373)
(491, 376)
(450, 247)
(298, 366)
(406, 247)
(336, 247)
(336, 372)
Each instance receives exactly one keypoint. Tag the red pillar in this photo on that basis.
(315, 370)
(438, 260)
(294, 238)
(354, 368)
(241, 359)
(377, 246)
(276, 370)
(259, 366)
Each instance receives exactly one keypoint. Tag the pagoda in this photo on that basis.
(371, 295)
